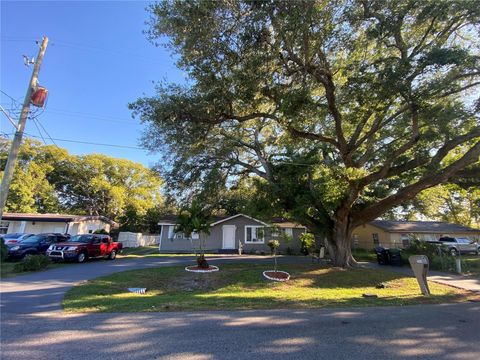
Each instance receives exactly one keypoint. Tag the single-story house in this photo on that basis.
(53, 223)
(399, 233)
(228, 232)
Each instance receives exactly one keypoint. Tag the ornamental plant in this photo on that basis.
(195, 219)
(273, 245)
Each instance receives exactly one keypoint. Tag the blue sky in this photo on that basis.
(98, 60)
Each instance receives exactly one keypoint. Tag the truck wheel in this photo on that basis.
(81, 257)
(112, 255)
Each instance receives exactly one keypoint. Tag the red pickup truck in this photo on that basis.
(81, 247)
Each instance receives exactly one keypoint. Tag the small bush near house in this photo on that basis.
(3, 250)
(101, 231)
(32, 263)
(438, 256)
(308, 243)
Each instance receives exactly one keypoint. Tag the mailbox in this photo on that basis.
(419, 264)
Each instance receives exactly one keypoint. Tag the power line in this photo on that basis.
(45, 130)
(84, 47)
(91, 143)
(36, 125)
(91, 116)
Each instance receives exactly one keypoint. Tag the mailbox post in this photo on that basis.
(419, 264)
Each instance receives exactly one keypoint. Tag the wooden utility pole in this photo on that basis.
(17, 140)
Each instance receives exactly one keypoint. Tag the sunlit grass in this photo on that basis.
(242, 286)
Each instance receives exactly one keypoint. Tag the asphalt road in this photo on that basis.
(414, 332)
(33, 327)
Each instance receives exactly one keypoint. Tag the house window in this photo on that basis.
(170, 232)
(195, 236)
(405, 240)
(376, 240)
(3, 227)
(277, 232)
(254, 235)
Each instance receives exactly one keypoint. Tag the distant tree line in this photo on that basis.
(48, 179)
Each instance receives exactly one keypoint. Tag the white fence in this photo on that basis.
(129, 239)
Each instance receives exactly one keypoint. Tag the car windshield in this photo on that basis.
(464, 241)
(33, 239)
(25, 236)
(81, 238)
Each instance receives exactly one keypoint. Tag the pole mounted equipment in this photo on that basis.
(17, 139)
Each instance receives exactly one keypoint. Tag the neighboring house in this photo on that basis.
(226, 234)
(399, 233)
(54, 223)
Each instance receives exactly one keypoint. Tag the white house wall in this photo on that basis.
(86, 226)
(38, 227)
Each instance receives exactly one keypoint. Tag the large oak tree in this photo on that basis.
(345, 108)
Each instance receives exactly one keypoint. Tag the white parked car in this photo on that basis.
(460, 245)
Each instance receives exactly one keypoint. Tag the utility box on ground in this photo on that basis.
(419, 264)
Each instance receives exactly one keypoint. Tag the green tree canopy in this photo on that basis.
(49, 179)
(345, 108)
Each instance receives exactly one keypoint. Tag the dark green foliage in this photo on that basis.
(3, 250)
(419, 247)
(32, 263)
(438, 256)
(340, 110)
(101, 231)
(50, 180)
(195, 218)
(308, 243)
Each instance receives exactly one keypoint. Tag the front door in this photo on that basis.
(229, 236)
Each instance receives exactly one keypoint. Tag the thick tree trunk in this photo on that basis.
(339, 244)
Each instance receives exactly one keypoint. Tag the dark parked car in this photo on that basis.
(34, 245)
(15, 237)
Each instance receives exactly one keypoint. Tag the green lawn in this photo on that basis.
(364, 255)
(241, 286)
(471, 265)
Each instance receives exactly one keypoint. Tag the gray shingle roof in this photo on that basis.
(53, 217)
(422, 226)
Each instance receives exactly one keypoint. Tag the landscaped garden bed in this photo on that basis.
(276, 275)
(242, 286)
(198, 269)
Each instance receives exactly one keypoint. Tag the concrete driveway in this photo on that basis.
(33, 326)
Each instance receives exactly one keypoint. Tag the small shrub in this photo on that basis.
(418, 247)
(101, 231)
(273, 245)
(32, 263)
(438, 256)
(3, 250)
(308, 243)
(290, 251)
